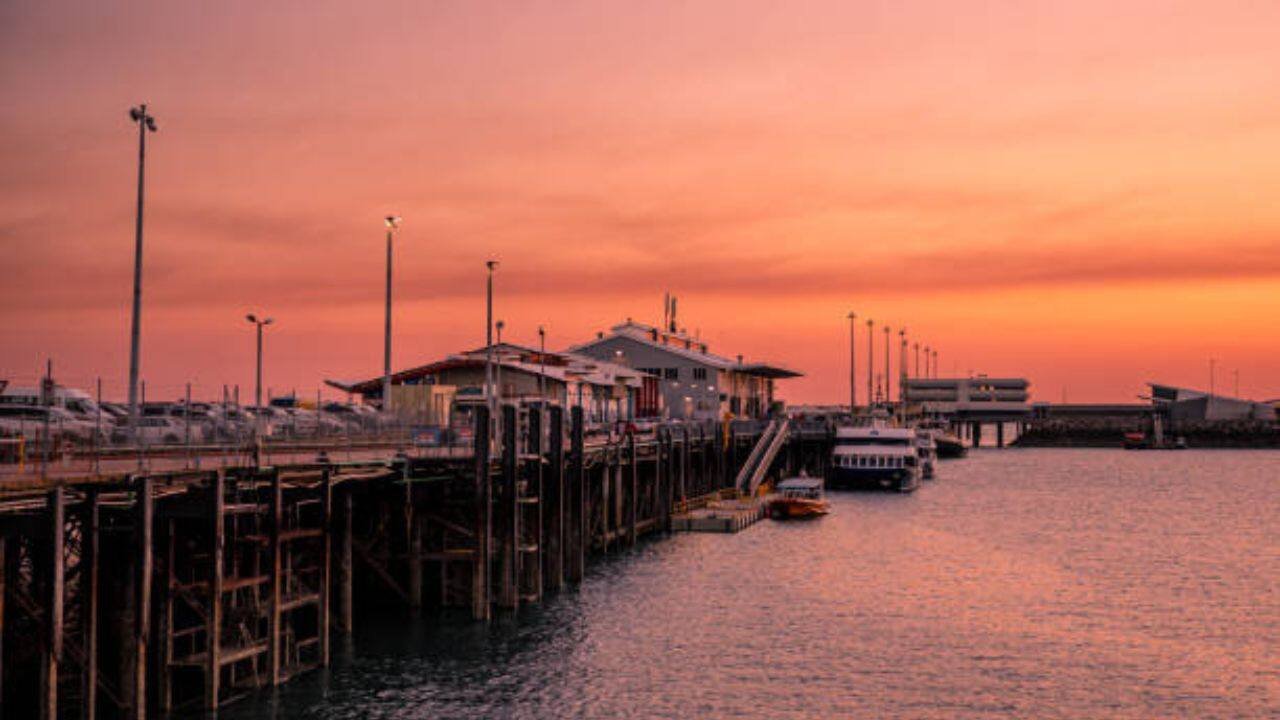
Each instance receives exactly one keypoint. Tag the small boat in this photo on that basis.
(798, 497)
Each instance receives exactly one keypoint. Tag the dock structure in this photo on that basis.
(144, 593)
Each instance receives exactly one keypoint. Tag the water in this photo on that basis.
(1022, 583)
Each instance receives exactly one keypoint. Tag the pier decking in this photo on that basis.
(134, 592)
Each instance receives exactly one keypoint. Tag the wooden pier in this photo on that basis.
(131, 594)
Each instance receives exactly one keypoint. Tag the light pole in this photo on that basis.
(926, 362)
(871, 361)
(902, 365)
(257, 384)
(146, 123)
(542, 366)
(853, 363)
(935, 364)
(887, 371)
(916, 348)
(497, 367)
(393, 224)
(488, 348)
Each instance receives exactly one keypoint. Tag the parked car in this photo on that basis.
(160, 429)
(30, 421)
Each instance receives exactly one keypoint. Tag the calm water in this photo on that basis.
(1022, 583)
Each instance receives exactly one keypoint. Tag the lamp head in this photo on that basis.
(491, 264)
(251, 318)
(393, 222)
(268, 321)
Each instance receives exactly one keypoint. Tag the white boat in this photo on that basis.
(927, 451)
(875, 457)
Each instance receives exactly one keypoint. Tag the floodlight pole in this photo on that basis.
(146, 123)
(393, 223)
(853, 370)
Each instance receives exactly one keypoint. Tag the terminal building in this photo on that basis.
(1186, 405)
(976, 398)
(694, 383)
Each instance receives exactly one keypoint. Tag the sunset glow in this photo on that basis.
(1081, 195)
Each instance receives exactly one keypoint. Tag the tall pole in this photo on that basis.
(902, 365)
(935, 364)
(257, 384)
(926, 362)
(393, 224)
(542, 365)
(488, 350)
(853, 363)
(888, 344)
(146, 123)
(257, 381)
(871, 360)
(916, 348)
(1211, 374)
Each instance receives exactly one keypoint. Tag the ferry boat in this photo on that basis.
(927, 451)
(799, 497)
(875, 457)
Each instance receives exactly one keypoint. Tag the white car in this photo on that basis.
(161, 430)
(30, 421)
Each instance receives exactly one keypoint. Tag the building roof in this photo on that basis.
(689, 348)
(559, 367)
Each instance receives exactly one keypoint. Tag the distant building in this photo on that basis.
(981, 398)
(606, 391)
(694, 382)
(1186, 405)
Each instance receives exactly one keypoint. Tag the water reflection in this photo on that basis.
(1046, 583)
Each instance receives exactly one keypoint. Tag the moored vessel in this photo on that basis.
(798, 498)
(875, 457)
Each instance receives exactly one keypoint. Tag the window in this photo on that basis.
(699, 373)
(671, 373)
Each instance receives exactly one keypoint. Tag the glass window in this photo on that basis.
(671, 373)
(699, 373)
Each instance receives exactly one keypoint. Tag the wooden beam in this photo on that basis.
(509, 560)
(166, 620)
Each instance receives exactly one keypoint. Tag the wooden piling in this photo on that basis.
(53, 620)
(213, 622)
(577, 515)
(89, 579)
(553, 499)
(509, 557)
(275, 519)
(346, 621)
(633, 497)
(484, 518)
(144, 512)
(326, 563)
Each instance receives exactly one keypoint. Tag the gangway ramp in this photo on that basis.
(757, 466)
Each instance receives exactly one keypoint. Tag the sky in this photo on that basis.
(1080, 193)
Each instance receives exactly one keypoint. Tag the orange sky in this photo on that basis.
(1081, 193)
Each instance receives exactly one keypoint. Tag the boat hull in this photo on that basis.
(884, 479)
(950, 448)
(797, 509)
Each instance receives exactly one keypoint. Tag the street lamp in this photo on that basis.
(853, 373)
(935, 364)
(257, 385)
(393, 224)
(146, 123)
